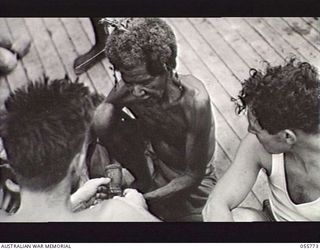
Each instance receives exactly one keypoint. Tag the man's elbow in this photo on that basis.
(215, 208)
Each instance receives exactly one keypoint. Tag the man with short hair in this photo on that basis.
(44, 134)
(170, 127)
(282, 106)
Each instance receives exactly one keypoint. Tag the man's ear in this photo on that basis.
(288, 136)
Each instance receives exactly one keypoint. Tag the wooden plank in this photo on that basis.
(3, 154)
(207, 55)
(4, 91)
(227, 54)
(77, 41)
(65, 48)
(48, 55)
(181, 68)
(315, 23)
(272, 37)
(86, 24)
(16, 78)
(31, 61)
(218, 95)
(294, 39)
(261, 46)
(87, 27)
(97, 73)
(221, 161)
(258, 190)
(299, 26)
(243, 49)
(224, 134)
(261, 187)
(228, 138)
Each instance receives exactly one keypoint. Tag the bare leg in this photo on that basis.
(95, 54)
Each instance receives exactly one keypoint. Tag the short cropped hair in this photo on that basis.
(44, 128)
(145, 40)
(283, 97)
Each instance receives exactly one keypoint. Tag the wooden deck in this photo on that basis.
(218, 51)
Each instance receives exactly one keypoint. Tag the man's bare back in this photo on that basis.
(108, 211)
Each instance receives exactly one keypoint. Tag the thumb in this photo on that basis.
(128, 191)
(13, 187)
(101, 181)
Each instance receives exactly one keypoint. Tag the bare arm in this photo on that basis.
(236, 183)
(201, 123)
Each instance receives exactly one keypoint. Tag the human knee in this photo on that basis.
(242, 214)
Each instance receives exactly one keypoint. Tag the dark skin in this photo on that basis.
(175, 117)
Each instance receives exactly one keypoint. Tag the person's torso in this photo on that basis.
(114, 210)
(167, 126)
(294, 195)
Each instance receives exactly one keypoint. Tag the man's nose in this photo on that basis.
(138, 91)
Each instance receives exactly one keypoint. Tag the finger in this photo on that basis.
(102, 189)
(13, 187)
(6, 201)
(14, 207)
(101, 181)
(101, 196)
(129, 191)
(9, 207)
(118, 198)
(1, 197)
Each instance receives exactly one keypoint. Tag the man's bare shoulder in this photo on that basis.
(251, 147)
(195, 98)
(115, 210)
(195, 88)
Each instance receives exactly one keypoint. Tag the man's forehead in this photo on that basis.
(136, 71)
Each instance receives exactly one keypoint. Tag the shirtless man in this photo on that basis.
(171, 120)
(282, 106)
(44, 134)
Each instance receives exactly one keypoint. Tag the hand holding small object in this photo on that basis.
(133, 197)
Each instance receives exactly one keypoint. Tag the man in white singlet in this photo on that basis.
(283, 110)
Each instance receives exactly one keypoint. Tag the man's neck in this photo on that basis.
(53, 205)
(173, 92)
(308, 150)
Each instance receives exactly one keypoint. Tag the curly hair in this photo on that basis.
(44, 127)
(145, 40)
(284, 97)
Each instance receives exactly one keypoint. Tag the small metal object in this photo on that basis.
(90, 59)
(114, 172)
